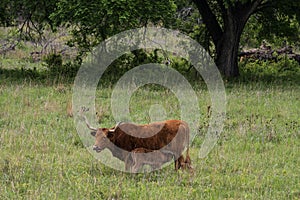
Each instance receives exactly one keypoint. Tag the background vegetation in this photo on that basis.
(223, 27)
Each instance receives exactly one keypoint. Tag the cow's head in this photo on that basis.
(102, 136)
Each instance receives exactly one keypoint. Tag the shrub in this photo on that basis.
(284, 68)
(54, 64)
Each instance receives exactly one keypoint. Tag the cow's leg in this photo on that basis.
(179, 162)
(176, 165)
(187, 161)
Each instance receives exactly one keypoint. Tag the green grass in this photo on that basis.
(257, 156)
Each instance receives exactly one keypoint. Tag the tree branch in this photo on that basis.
(256, 4)
(263, 5)
(245, 10)
(209, 20)
(222, 7)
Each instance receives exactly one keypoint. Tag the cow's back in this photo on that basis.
(172, 135)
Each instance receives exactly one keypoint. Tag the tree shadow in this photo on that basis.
(34, 76)
(46, 77)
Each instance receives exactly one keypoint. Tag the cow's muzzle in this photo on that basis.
(97, 149)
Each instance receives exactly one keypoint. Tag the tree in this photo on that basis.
(225, 21)
(93, 21)
(30, 16)
(96, 20)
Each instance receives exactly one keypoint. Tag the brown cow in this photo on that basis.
(141, 156)
(169, 135)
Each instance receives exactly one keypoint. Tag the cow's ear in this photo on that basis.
(107, 133)
(110, 133)
(93, 133)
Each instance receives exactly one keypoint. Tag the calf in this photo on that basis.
(141, 156)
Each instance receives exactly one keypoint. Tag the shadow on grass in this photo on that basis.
(34, 76)
(20, 76)
(286, 78)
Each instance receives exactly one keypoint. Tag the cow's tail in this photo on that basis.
(188, 161)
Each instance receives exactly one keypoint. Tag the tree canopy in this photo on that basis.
(222, 26)
(95, 21)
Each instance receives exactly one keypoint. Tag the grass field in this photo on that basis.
(257, 156)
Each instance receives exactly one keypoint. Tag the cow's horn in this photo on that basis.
(88, 125)
(113, 129)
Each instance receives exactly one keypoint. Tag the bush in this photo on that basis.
(54, 64)
(284, 68)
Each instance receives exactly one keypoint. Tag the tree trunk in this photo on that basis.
(227, 37)
(227, 49)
